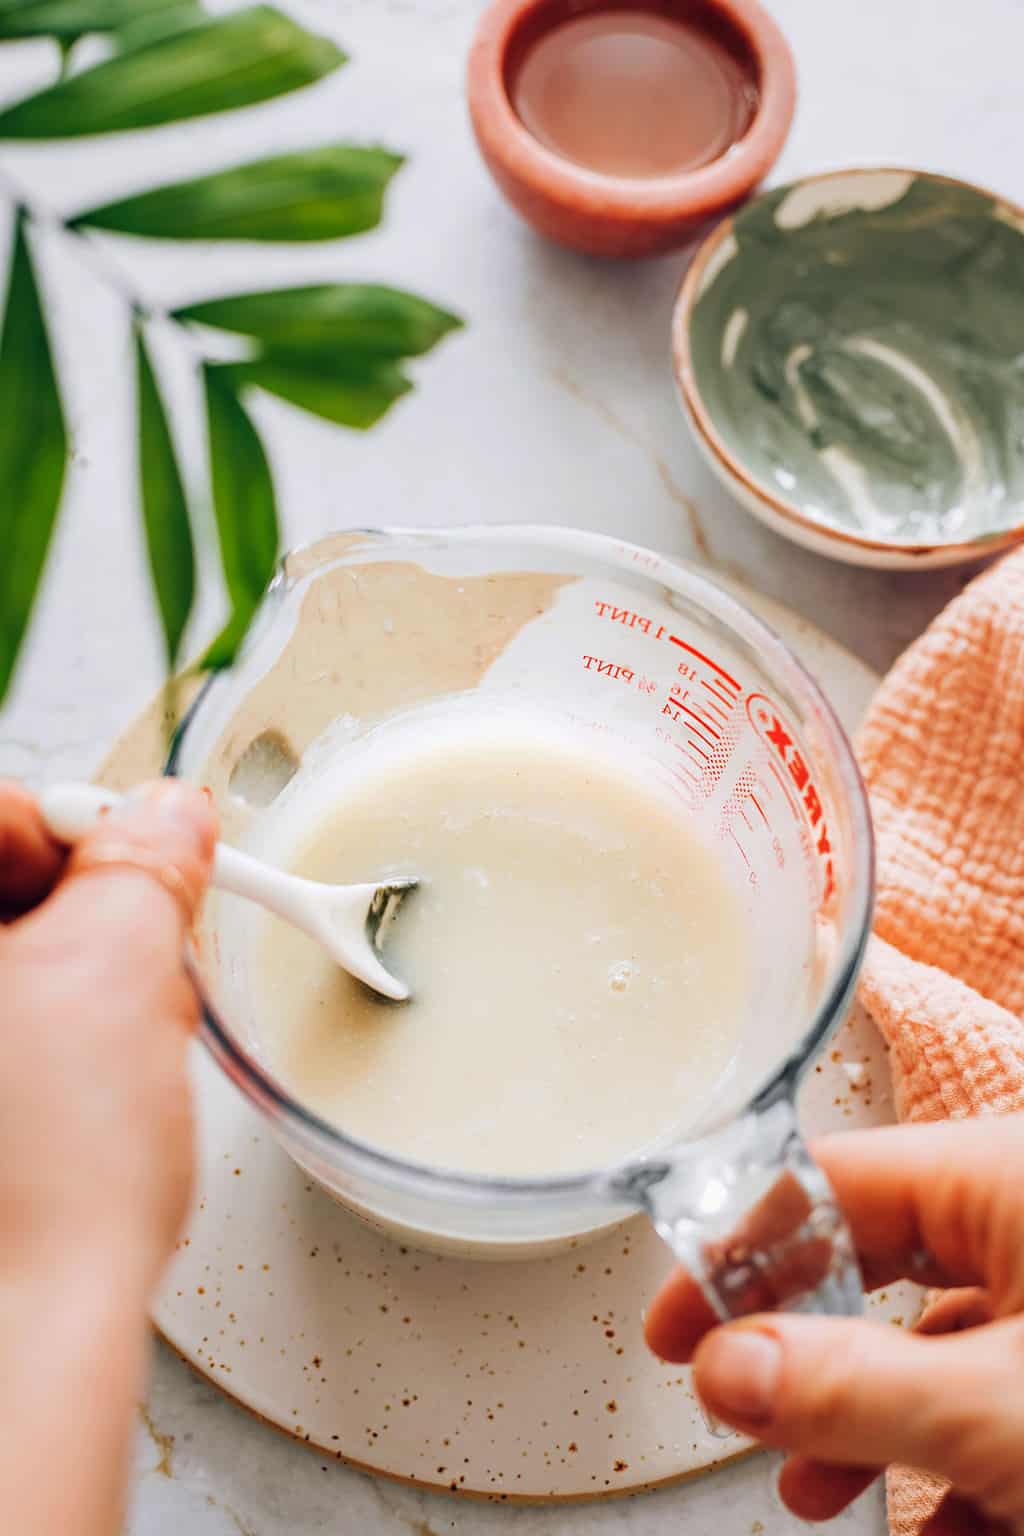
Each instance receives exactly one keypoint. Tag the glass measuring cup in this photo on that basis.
(644, 655)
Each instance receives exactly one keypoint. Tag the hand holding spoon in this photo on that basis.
(350, 921)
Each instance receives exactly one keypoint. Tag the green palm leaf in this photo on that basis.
(367, 318)
(33, 452)
(351, 392)
(69, 19)
(232, 61)
(333, 349)
(316, 194)
(245, 511)
(164, 508)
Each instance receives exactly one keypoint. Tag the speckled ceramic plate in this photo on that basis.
(849, 351)
(513, 1380)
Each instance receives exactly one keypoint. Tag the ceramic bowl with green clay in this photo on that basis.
(850, 349)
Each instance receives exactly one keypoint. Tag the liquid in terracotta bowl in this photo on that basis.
(618, 128)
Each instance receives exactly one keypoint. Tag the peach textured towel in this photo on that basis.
(942, 751)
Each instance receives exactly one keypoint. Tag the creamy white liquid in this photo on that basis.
(577, 958)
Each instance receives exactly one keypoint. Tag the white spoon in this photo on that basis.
(350, 921)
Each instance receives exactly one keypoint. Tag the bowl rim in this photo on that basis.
(701, 191)
(259, 1085)
(701, 420)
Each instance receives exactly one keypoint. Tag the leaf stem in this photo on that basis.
(103, 266)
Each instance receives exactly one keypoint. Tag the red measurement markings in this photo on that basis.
(752, 876)
(735, 807)
(709, 730)
(685, 785)
(778, 851)
(609, 669)
(695, 741)
(639, 556)
(720, 699)
(782, 745)
(718, 692)
(691, 778)
(723, 688)
(693, 651)
(705, 717)
(616, 672)
(629, 619)
(700, 728)
(794, 803)
(758, 808)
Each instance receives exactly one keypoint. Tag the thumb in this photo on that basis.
(135, 882)
(867, 1394)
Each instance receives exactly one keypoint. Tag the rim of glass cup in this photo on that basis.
(322, 1139)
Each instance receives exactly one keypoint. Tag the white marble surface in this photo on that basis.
(556, 404)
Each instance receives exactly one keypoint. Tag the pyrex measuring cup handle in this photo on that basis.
(753, 1218)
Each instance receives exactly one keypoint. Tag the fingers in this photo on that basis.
(909, 1192)
(101, 1008)
(30, 860)
(865, 1394)
(166, 832)
(847, 1394)
(820, 1490)
(940, 1204)
(132, 887)
(959, 1517)
(956, 1311)
(678, 1318)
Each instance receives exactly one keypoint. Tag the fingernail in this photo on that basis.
(738, 1372)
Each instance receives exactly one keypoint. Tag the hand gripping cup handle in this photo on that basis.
(750, 1214)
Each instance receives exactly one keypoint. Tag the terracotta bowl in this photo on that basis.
(607, 215)
(847, 349)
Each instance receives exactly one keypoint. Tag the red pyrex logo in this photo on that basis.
(767, 722)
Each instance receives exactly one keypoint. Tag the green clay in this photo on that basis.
(877, 381)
